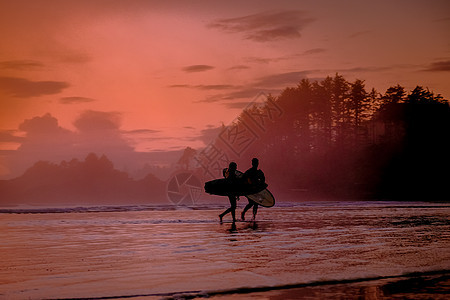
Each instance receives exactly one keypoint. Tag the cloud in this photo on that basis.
(281, 79)
(314, 51)
(205, 86)
(8, 136)
(360, 34)
(215, 87)
(42, 138)
(197, 68)
(365, 69)
(272, 84)
(75, 100)
(90, 121)
(21, 65)
(267, 26)
(42, 127)
(439, 66)
(239, 67)
(265, 60)
(209, 134)
(244, 93)
(24, 88)
(260, 60)
(141, 131)
(236, 105)
(180, 86)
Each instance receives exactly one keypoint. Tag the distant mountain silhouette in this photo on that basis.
(92, 181)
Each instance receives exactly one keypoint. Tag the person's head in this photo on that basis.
(255, 162)
(232, 166)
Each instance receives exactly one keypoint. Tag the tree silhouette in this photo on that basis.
(337, 139)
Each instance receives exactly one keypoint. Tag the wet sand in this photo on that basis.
(329, 250)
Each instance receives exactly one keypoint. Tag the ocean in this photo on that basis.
(304, 250)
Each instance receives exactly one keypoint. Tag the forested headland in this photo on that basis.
(337, 139)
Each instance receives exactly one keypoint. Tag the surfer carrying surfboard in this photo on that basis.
(255, 177)
(230, 176)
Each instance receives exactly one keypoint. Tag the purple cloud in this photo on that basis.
(74, 100)
(197, 68)
(267, 26)
(21, 65)
(24, 88)
(439, 66)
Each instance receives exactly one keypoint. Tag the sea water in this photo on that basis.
(170, 251)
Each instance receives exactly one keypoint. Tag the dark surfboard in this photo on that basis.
(223, 187)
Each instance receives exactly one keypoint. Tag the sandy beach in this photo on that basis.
(347, 250)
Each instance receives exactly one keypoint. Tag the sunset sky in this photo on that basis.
(142, 76)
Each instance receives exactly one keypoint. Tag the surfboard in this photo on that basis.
(257, 193)
(223, 187)
(263, 198)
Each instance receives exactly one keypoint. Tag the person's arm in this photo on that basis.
(262, 177)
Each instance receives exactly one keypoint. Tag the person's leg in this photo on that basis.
(247, 207)
(223, 214)
(233, 207)
(255, 211)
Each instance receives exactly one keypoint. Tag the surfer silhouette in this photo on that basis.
(230, 175)
(254, 176)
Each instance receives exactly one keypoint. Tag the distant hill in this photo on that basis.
(93, 181)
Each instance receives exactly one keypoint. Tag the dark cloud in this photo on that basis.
(142, 131)
(44, 126)
(74, 100)
(197, 68)
(205, 86)
(265, 60)
(209, 134)
(286, 32)
(21, 65)
(180, 86)
(439, 66)
(8, 136)
(239, 67)
(281, 79)
(260, 60)
(244, 93)
(270, 84)
(44, 139)
(24, 88)
(267, 26)
(365, 69)
(247, 93)
(314, 51)
(236, 105)
(90, 121)
(215, 87)
(360, 34)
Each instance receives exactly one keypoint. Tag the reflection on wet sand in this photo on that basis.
(167, 252)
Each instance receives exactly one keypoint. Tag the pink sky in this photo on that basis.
(156, 75)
